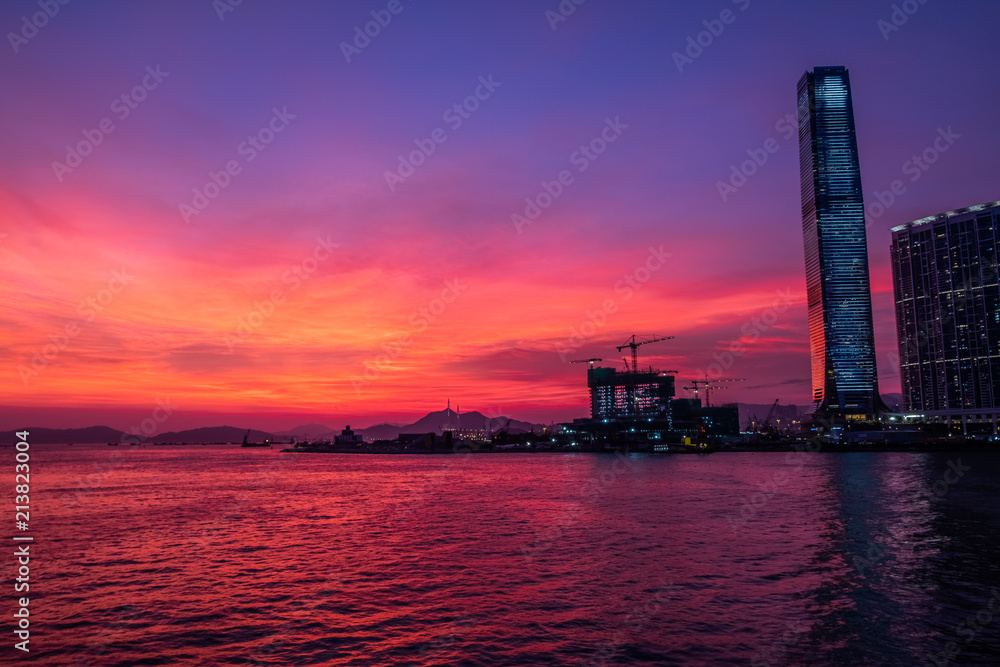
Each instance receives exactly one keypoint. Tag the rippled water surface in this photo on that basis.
(225, 556)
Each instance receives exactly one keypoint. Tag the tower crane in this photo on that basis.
(766, 426)
(586, 361)
(707, 384)
(634, 344)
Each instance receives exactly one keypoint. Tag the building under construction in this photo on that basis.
(630, 408)
(630, 395)
(636, 408)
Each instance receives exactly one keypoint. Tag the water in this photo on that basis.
(226, 556)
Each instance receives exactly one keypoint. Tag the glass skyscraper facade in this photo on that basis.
(947, 292)
(841, 336)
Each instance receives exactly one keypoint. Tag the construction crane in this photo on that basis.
(707, 384)
(765, 429)
(634, 344)
(586, 361)
(766, 426)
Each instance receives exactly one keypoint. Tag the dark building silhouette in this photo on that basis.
(945, 283)
(841, 335)
(348, 437)
(691, 417)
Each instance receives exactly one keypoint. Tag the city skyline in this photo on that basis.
(353, 233)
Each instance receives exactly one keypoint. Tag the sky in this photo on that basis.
(257, 213)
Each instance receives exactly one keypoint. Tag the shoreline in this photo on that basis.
(800, 446)
(739, 449)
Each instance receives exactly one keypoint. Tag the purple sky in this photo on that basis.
(347, 341)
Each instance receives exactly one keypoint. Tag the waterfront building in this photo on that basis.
(629, 395)
(691, 418)
(630, 410)
(348, 437)
(838, 292)
(947, 294)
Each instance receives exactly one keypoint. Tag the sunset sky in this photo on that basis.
(304, 284)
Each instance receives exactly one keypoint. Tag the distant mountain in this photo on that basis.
(212, 434)
(436, 422)
(48, 436)
(311, 430)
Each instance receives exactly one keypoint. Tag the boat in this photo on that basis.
(246, 443)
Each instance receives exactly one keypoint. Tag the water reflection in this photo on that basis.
(898, 534)
(509, 560)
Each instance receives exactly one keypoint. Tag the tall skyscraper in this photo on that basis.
(947, 291)
(841, 336)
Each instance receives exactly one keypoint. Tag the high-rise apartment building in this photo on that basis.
(947, 292)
